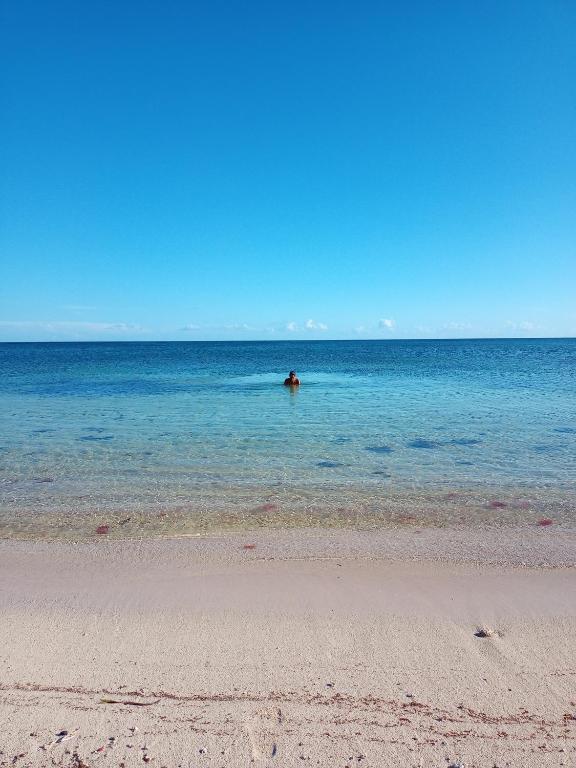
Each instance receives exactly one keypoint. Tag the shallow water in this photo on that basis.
(161, 438)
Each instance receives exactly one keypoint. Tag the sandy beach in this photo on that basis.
(287, 649)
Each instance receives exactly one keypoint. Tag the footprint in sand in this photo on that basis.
(261, 728)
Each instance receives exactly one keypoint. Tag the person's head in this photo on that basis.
(292, 375)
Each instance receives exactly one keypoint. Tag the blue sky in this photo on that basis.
(222, 170)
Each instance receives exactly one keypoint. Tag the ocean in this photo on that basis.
(161, 439)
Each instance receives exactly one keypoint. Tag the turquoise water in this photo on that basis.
(157, 438)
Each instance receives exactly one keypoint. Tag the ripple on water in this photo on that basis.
(205, 445)
(421, 443)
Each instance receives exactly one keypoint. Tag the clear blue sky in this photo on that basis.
(198, 170)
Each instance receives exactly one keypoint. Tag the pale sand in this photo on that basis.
(312, 648)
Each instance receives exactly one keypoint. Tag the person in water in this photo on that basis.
(292, 380)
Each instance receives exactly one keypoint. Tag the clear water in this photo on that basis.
(162, 438)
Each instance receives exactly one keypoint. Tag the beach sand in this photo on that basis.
(288, 649)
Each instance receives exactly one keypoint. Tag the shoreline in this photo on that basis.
(550, 546)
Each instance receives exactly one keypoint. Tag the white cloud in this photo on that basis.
(387, 323)
(292, 326)
(312, 325)
(69, 325)
(455, 326)
(119, 327)
(524, 326)
(225, 327)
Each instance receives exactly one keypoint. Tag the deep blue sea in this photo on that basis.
(184, 438)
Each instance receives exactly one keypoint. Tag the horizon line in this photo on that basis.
(286, 341)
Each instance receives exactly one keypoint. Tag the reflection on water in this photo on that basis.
(293, 391)
(158, 438)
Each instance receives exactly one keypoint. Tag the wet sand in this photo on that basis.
(285, 649)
